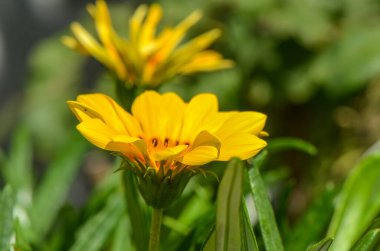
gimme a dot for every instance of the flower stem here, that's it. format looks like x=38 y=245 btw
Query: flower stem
x=154 y=240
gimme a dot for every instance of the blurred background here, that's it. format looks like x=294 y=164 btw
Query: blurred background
x=312 y=66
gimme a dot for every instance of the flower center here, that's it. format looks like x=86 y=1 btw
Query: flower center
x=158 y=144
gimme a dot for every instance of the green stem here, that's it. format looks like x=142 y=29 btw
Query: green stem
x=154 y=240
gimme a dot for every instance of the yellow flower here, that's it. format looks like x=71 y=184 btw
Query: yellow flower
x=146 y=58
x=166 y=137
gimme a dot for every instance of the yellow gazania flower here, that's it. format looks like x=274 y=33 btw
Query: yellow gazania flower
x=146 y=58
x=166 y=136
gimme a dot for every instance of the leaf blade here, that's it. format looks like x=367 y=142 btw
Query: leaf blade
x=267 y=221
x=228 y=235
x=6 y=218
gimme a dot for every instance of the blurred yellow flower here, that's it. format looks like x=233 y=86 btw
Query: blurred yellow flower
x=146 y=58
x=164 y=131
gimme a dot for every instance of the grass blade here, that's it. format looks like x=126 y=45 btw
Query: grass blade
x=228 y=235
x=284 y=144
x=210 y=242
x=368 y=241
x=323 y=245
x=267 y=221
x=93 y=234
x=6 y=218
x=19 y=162
x=312 y=225
x=53 y=190
x=121 y=240
x=248 y=237
x=136 y=211
x=358 y=204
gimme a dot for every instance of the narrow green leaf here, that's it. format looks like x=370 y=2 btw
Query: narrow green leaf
x=137 y=212
x=368 y=241
x=358 y=204
x=93 y=234
x=54 y=187
x=122 y=241
x=228 y=235
x=248 y=237
x=267 y=221
x=19 y=162
x=284 y=144
x=210 y=242
x=323 y=245
x=312 y=225
x=190 y=219
x=6 y=218
x=21 y=239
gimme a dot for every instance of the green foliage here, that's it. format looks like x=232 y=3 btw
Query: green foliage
x=323 y=245
x=233 y=230
x=267 y=220
x=368 y=241
x=6 y=215
x=51 y=194
x=311 y=226
x=284 y=144
x=137 y=212
x=227 y=229
x=94 y=233
x=358 y=203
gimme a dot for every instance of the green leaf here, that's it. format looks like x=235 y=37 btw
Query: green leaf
x=312 y=225
x=137 y=212
x=351 y=62
x=122 y=241
x=6 y=218
x=19 y=162
x=368 y=241
x=248 y=236
x=210 y=242
x=228 y=235
x=191 y=216
x=267 y=221
x=285 y=144
x=323 y=245
x=54 y=187
x=93 y=234
x=358 y=204
x=21 y=240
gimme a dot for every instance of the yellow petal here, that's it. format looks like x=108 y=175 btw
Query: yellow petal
x=148 y=109
x=242 y=122
x=149 y=28
x=159 y=115
x=82 y=112
x=72 y=43
x=186 y=52
x=178 y=34
x=169 y=152
x=200 y=156
x=95 y=131
x=204 y=138
x=206 y=61
x=105 y=108
x=216 y=120
x=90 y=44
x=104 y=28
x=136 y=21
x=175 y=108
x=197 y=111
x=243 y=146
x=127 y=145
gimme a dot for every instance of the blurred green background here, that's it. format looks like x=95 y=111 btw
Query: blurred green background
x=312 y=66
